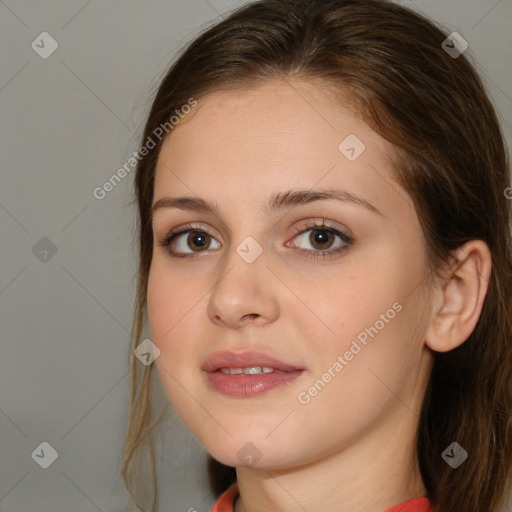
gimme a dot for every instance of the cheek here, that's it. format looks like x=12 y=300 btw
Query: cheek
x=170 y=298
x=170 y=310
x=333 y=310
x=368 y=316
x=355 y=383
x=159 y=304
x=174 y=309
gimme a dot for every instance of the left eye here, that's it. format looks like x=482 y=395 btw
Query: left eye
x=321 y=238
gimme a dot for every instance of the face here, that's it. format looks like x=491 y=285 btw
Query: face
x=335 y=287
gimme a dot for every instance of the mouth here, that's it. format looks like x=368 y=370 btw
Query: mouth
x=248 y=374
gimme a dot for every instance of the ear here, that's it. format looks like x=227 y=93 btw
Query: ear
x=459 y=297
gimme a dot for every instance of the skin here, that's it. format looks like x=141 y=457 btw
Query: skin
x=352 y=447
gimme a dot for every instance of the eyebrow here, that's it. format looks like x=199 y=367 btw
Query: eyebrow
x=277 y=202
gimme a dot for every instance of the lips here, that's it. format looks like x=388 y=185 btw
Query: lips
x=226 y=359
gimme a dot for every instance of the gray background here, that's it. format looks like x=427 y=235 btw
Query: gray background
x=68 y=123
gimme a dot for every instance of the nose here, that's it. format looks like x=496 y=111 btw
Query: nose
x=244 y=293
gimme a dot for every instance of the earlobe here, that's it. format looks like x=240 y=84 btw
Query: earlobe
x=461 y=296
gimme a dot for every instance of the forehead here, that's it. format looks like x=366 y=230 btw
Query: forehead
x=282 y=134
x=270 y=119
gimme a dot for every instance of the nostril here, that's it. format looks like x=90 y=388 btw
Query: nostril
x=249 y=318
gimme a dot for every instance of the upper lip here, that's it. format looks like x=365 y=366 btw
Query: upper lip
x=247 y=359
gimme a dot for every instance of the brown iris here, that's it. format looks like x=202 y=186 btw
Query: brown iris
x=321 y=237
x=199 y=239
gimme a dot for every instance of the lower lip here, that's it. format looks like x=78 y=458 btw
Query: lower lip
x=243 y=385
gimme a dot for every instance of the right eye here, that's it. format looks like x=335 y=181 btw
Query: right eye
x=197 y=241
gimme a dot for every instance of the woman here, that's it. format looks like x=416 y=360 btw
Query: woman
x=325 y=263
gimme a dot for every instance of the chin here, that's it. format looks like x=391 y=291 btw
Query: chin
x=249 y=455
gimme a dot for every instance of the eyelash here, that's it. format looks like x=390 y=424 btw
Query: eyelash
x=312 y=225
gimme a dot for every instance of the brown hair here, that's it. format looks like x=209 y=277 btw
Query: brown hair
x=450 y=157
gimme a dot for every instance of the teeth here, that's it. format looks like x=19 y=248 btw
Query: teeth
x=252 y=370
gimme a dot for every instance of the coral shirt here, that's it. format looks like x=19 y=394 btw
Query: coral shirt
x=227 y=500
